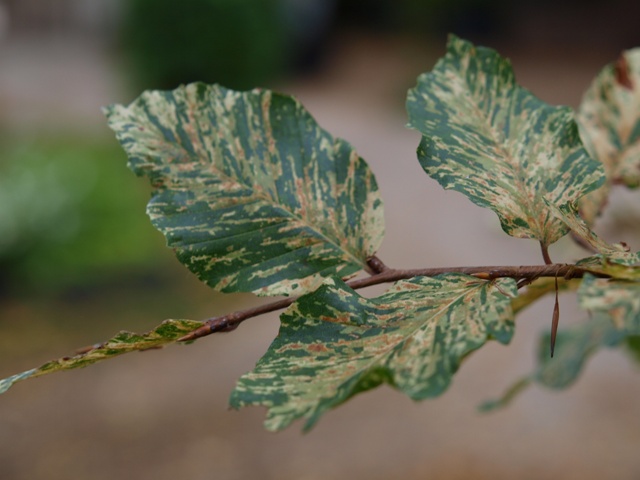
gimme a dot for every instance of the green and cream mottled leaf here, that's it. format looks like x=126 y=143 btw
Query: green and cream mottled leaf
x=251 y=193
x=568 y=214
x=334 y=343
x=622 y=268
x=620 y=299
x=492 y=140
x=609 y=118
x=573 y=347
x=124 y=342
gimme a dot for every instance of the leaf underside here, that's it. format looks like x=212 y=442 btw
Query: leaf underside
x=334 y=343
x=124 y=342
x=250 y=192
x=609 y=118
x=494 y=141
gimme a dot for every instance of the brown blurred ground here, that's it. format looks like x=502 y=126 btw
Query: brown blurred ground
x=163 y=415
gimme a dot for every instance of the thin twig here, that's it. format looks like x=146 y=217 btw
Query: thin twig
x=230 y=321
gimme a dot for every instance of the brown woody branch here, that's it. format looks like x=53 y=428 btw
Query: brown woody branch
x=523 y=274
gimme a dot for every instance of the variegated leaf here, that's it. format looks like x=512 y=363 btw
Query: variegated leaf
x=251 y=193
x=625 y=267
x=334 y=343
x=609 y=118
x=494 y=141
x=124 y=342
x=573 y=347
x=569 y=215
x=620 y=299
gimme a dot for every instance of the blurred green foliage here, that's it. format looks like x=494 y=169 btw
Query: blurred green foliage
x=70 y=213
x=633 y=346
x=237 y=43
x=429 y=18
x=242 y=44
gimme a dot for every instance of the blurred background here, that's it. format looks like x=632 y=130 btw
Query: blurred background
x=79 y=259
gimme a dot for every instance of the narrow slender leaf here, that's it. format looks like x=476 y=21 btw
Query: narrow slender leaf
x=609 y=118
x=568 y=214
x=124 y=342
x=333 y=343
x=251 y=193
x=489 y=138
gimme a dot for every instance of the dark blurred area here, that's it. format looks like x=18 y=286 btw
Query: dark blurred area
x=79 y=259
x=62 y=58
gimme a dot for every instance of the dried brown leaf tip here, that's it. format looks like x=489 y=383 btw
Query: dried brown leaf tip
x=621 y=69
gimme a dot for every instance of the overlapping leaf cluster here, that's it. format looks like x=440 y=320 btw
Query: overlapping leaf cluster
x=254 y=196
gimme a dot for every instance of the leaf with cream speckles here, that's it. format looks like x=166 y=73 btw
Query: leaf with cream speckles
x=334 y=343
x=124 y=342
x=620 y=299
x=489 y=138
x=609 y=118
x=626 y=267
x=251 y=193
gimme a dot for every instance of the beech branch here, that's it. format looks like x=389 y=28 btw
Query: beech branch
x=523 y=274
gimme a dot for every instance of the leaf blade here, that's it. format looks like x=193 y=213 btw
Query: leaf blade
x=620 y=299
x=569 y=215
x=251 y=193
x=622 y=266
x=334 y=344
x=609 y=122
x=493 y=141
